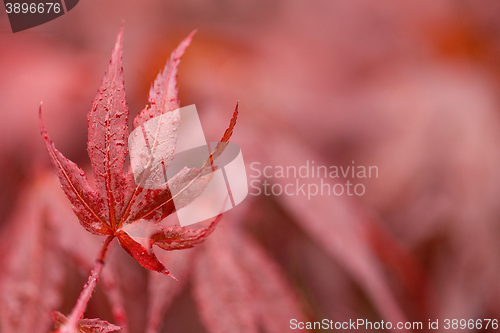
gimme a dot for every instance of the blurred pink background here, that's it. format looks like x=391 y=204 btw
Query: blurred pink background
x=409 y=87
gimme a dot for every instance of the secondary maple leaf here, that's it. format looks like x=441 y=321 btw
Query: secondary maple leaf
x=85 y=325
x=119 y=206
x=226 y=281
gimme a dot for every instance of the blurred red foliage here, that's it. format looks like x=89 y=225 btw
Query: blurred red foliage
x=409 y=87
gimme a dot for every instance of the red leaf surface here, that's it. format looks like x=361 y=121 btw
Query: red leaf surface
x=138 y=239
x=84 y=200
x=163 y=94
x=143 y=253
x=177 y=238
x=119 y=205
x=187 y=185
x=227 y=135
x=108 y=135
x=85 y=325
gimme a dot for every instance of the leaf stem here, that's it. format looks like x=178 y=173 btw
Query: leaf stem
x=88 y=289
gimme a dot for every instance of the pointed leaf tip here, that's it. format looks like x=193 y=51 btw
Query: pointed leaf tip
x=229 y=131
x=140 y=249
x=167 y=273
x=119 y=42
x=74 y=183
x=163 y=93
x=191 y=35
x=40 y=118
x=219 y=149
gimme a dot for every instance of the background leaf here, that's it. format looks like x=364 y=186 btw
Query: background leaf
x=239 y=289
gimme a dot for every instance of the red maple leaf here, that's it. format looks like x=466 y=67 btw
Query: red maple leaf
x=119 y=207
x=118 y=202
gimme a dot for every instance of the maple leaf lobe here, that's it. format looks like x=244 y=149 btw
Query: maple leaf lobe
x=107 y=135
x=119 y=206
x=85 y=202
